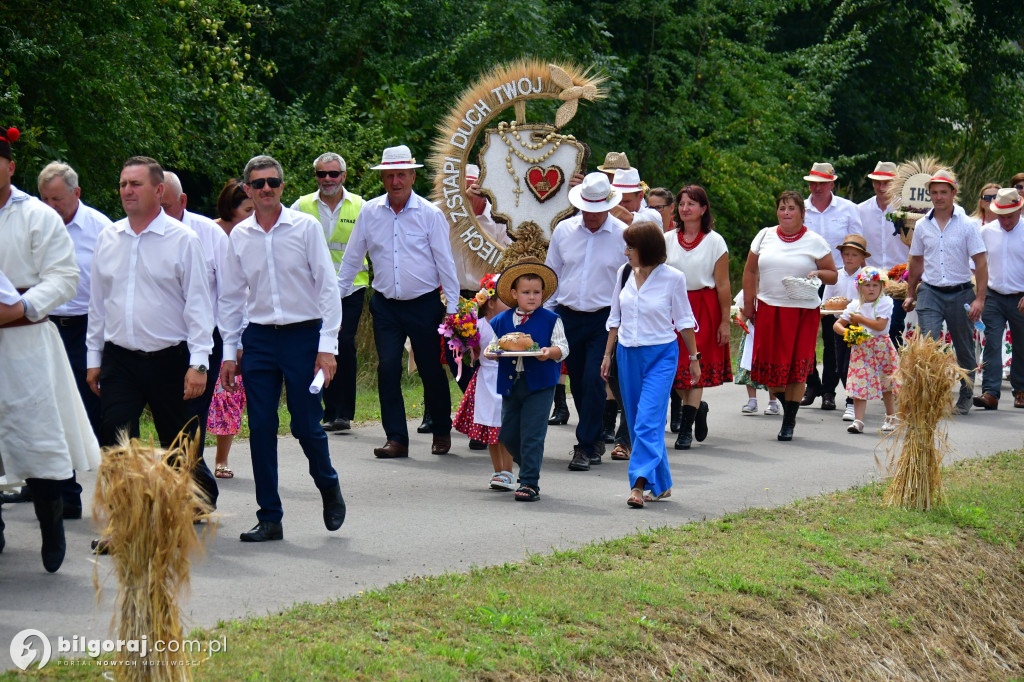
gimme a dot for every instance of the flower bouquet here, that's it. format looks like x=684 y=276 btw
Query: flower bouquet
x=896 y=287
x=462 y=331
x=855 y=335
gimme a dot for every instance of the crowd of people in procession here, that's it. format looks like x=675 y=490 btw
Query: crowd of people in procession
x=171 y=310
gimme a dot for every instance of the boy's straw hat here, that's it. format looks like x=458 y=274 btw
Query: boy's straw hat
x=527 y=266
x=855 y=241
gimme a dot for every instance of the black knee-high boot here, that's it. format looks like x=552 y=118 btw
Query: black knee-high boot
x=789 y=410
x=685 y=438
x=560 y=414
x=50 y=512
x=611 y=411
x=676 y=412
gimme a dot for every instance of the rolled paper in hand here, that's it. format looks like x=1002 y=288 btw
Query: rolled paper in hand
x=318 y=382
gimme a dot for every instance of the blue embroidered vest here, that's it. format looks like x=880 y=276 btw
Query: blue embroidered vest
x=538 y=374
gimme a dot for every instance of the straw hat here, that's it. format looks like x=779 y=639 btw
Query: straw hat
x=822 y=172
x=397 y=158
x=594 y=194
x=1007 y=201
x=527 y=266
x=884 y=170
x=855 y=241
x=627 y=181
x=944 y=175
x=613 y=161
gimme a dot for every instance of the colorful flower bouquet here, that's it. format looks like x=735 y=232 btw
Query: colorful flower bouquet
x=855 y=335
x=896 y=287
x=462 y=329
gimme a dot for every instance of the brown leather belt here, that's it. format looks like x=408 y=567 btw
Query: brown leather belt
x=23 y=321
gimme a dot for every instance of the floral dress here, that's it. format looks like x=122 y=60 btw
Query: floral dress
x=225 y=417
x=872 y=362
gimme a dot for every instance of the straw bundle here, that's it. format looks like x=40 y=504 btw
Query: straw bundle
x=147 y=501
x=529 y=243
x=927 y=374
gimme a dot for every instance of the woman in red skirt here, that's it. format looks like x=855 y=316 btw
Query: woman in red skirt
x=787 y=322
x=700 y=253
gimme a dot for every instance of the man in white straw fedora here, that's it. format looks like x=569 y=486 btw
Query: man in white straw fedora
x=1004 y=304
x=585 y=252
x=887 y=249
x=406 y=238
x=631 y=208
x=831 y=217
x=945 y=241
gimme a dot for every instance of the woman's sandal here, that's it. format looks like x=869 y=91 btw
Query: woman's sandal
x=527 y=494
x=664 y=496
x=620 y=452
x=222 y=471
x=636 y=498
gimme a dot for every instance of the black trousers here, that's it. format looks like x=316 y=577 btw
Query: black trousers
x=130 y=380
x=340 y=395
x=201 y=405
x=72 y=330
x=416 y=319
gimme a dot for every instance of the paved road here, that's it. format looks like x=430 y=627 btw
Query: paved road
x=429 y=514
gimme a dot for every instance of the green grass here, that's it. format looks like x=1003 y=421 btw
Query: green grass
x=835 y=587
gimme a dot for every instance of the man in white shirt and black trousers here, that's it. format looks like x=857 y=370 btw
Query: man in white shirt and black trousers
x=150 y=318
x=586 y=252
x=406 y=238
x=278 y=269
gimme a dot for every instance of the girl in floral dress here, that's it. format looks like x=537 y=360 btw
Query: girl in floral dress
x=479 y=413
x=873 y=360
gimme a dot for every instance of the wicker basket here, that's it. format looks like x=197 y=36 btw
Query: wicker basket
x=907 y=228
x=896 y=290
x=802 y=288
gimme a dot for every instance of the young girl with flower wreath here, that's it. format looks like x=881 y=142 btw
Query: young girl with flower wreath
x=479 y=413
x=873 y=358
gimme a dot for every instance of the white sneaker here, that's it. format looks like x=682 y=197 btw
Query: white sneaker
x=750 y=407
x=773 y=408
x=848 y=415
x=891 y=423
x=856 y=427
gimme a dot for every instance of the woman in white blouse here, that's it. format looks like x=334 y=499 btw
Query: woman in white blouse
x=700 y=253
x=649 y=305
x=787 y=326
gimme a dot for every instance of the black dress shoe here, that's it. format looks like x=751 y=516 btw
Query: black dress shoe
x=334 y=507
x=23 y=495
x=341 y=424
x=828 y=401
x=594 y=459
x=580 y=460
x=810 y=394
x=263 y=531
x=475 y=444
x=51 y=525
x=427 y=425
x=329 y=426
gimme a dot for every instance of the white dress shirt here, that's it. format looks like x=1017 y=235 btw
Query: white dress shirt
x=887 y=249
x=839 y=219
x=84 y=229
x=280 y=276
x=1005 y=257
x=149 y=291
x=215 y=246
x=410 y=251
x=651 y=315
x=585 y=263
x=947 y=251
x=845 y=286
x=698 y=264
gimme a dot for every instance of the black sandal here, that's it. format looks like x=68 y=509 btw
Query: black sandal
x=527 y=493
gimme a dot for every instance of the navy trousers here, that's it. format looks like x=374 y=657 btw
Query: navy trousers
x=587 y=338
x=1000 y=310
x=274 y=355
x=524 y=425
x=416 y=319
x=340 y=396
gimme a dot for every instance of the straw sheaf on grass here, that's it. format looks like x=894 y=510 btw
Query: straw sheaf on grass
x=927 y=374
x=146 y=502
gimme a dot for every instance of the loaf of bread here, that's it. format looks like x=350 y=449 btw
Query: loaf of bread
x=515 y=341
x=836 y=303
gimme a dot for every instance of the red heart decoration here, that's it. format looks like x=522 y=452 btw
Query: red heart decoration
x=544 y=182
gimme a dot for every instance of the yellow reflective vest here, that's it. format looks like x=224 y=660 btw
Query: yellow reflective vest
x=342 y=230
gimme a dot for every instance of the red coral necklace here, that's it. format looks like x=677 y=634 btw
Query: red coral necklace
x=689 y=245
x=790 y=238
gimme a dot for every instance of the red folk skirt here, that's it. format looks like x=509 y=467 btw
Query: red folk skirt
x=784 y=344
x=715 y=365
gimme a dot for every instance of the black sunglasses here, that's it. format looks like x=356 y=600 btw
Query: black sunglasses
x=328 y=174
x=659 y=208
x=1018 y=187
x=259 y=182
x=988 y=197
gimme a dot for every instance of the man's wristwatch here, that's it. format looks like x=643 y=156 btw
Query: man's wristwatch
x=202 y=368
x=695 y=357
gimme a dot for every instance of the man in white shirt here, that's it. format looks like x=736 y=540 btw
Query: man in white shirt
x=58 y=188
x=944 y=243
x=215 y=244
x=585 y=252
x=887 y=249
x=831 y=217
x=336 y=209
x=278 y=269
x=1004 y=303
x=150 y=318
x=406 y=238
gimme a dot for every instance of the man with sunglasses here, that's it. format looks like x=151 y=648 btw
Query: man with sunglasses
x=336 y=209
x=887 y=249
x=278 y=275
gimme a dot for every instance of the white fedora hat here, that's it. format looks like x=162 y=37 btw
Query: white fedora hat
x=472 y=171
x=627 y=181
x=594 y=194
x=884 y=170
x=1007 y=201
x=943 y=175
x=822 y=172
x=397 y=158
